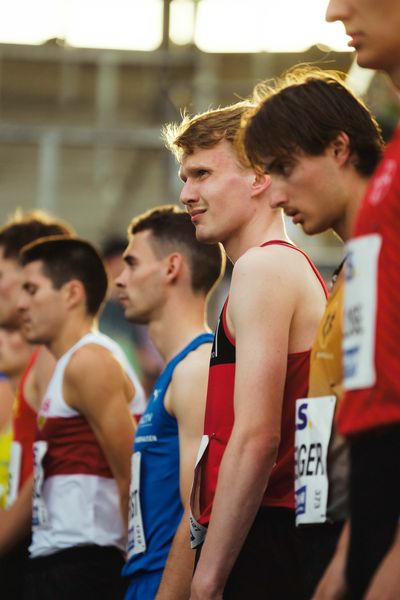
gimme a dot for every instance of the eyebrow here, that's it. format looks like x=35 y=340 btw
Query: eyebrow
x=193 y=170
x=129 y=259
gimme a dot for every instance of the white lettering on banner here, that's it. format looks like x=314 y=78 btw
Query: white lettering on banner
x=40 y=519
x=197 y=530
x=136 y=537
x=360 y=304
x=314 y=418
x=14 y=472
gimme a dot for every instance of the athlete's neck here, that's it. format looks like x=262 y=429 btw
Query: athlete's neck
x=70 y=336
x=255 y=234
x=177 y=326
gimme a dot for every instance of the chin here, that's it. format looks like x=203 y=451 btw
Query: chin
x=205 y=238
x=310 y=229
x=139 y=319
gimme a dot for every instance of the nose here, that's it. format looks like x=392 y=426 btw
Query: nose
x=188 y=195
x=276 y=195
x=22 y=302
x=119 y=281
x=336 y=10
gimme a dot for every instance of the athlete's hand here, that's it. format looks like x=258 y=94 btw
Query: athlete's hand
x=385 y=584
x=333 y=583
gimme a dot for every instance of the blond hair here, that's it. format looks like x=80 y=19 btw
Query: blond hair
x=204 y=130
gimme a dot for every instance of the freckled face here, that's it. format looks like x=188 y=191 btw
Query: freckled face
x=216 y=192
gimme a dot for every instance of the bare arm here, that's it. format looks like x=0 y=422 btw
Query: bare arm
x=6 y=402
x=385 y=584
x=15 y=523
x=96 y=386
x=259 y=314
x=333 y=583
x=186 y=400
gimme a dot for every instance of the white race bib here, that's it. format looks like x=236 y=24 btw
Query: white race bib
x=136 y=537
x=314 y=417
x=197 y=530
x=40 y=517
x=360 y=303
x=14 y=472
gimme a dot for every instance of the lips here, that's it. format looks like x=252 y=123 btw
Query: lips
x=355 y=39
x=122 y=300
x=294 y=215
x=195 y=214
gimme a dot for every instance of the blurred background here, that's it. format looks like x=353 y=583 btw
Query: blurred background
x=85 y=86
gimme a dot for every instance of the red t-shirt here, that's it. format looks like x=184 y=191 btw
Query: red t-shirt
x=379 y=404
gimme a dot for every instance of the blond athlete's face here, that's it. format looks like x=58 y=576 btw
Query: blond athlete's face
x=374 y=29
x=216 y=192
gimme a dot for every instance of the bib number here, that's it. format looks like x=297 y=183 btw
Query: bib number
x=40 y=518
x=136 y=537
x=360 y=303
x=14 y=473
x=314 y=417
x=197 y=530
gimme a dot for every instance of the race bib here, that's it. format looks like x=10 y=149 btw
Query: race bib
x=136 y=537
x=14 y=472
x=360 y=304
x=40 y=517
x=197 y=530
x=314 y=417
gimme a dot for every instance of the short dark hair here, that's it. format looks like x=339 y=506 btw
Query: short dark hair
x=24 y=228
x=304 y=112
x=172 y=229
x=64 y=259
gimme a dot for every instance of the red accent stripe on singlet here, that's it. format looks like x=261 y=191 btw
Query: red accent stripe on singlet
x=73 y=448
x=31 y=362
x=288 y=245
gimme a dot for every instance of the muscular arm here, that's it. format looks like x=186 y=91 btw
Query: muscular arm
x=186 y=401
x=260 y=312
x=96 y=386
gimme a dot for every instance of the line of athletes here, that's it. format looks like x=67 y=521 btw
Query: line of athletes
x=306 y=145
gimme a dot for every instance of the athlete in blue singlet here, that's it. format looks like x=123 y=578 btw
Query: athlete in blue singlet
x=155 y=512
x=165 y=283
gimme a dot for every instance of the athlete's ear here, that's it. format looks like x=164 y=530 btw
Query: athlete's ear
x=340 y=148
x=173 y=266
x=74 y=293
x=260 y=183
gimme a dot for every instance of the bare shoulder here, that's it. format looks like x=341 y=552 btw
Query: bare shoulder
x=195 y=363
x=189 y=380
x=94 y=367
x=280 y=259
x=92 y=356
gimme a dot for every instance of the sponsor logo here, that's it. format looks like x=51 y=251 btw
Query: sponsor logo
x=381 y=183
x=301 y=500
